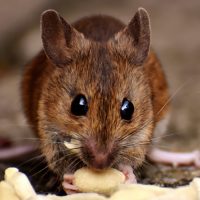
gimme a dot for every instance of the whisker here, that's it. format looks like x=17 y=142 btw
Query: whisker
x=70 y=150
x=70 y=166
x=162 y=136
x=29 y=160
x=47 y=167
x=15 y=125
x=165 y=104
x=37 y=165
x=78 y=161
x=173 y=95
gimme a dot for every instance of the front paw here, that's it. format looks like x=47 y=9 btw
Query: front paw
x=127 y=170
x=68 y=185
x=196 y=158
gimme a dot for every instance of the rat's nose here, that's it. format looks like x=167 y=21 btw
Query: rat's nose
x=100 y=160
x=97 y=156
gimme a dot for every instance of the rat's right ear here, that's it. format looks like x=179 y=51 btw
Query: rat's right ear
x=133 y=41
x=60 y=40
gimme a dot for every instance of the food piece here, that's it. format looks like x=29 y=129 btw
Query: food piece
x=16 y=186
x=140 y=192
x=20 y=183
x=152 y=192
x=10 y=172
x=103 y=182
x=7 y=192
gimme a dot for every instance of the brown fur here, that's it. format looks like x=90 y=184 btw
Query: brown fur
x=100 y=57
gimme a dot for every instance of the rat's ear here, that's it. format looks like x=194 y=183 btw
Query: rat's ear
x=133 y=41
x=60 y=40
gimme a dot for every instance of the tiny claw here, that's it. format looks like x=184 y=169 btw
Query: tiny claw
x=69 y=188
x=68 y=185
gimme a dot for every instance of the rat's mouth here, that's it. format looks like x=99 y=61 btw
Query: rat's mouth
x=127 y=170
x=70 y=188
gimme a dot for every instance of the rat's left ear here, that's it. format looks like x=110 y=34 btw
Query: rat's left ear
x=133 y=41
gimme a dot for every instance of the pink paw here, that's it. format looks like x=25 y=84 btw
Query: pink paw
x=190 y=158
x=127 y=170
x=174 y=158
x=196 y=158
x=67 y=184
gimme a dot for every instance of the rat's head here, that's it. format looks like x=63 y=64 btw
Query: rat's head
x=95 y=108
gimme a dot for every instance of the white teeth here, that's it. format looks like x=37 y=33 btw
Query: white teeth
x=69 y=145
x=73 y=147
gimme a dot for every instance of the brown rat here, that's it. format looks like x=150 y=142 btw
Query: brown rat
x=95 y=86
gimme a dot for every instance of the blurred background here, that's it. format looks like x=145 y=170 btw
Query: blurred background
x=175 y=38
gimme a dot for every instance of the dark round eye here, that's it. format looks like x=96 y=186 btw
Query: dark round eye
x=127 y=109
x=79 y=106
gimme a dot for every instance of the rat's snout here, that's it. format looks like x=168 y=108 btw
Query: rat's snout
x=98 y=156
x=99 y=160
